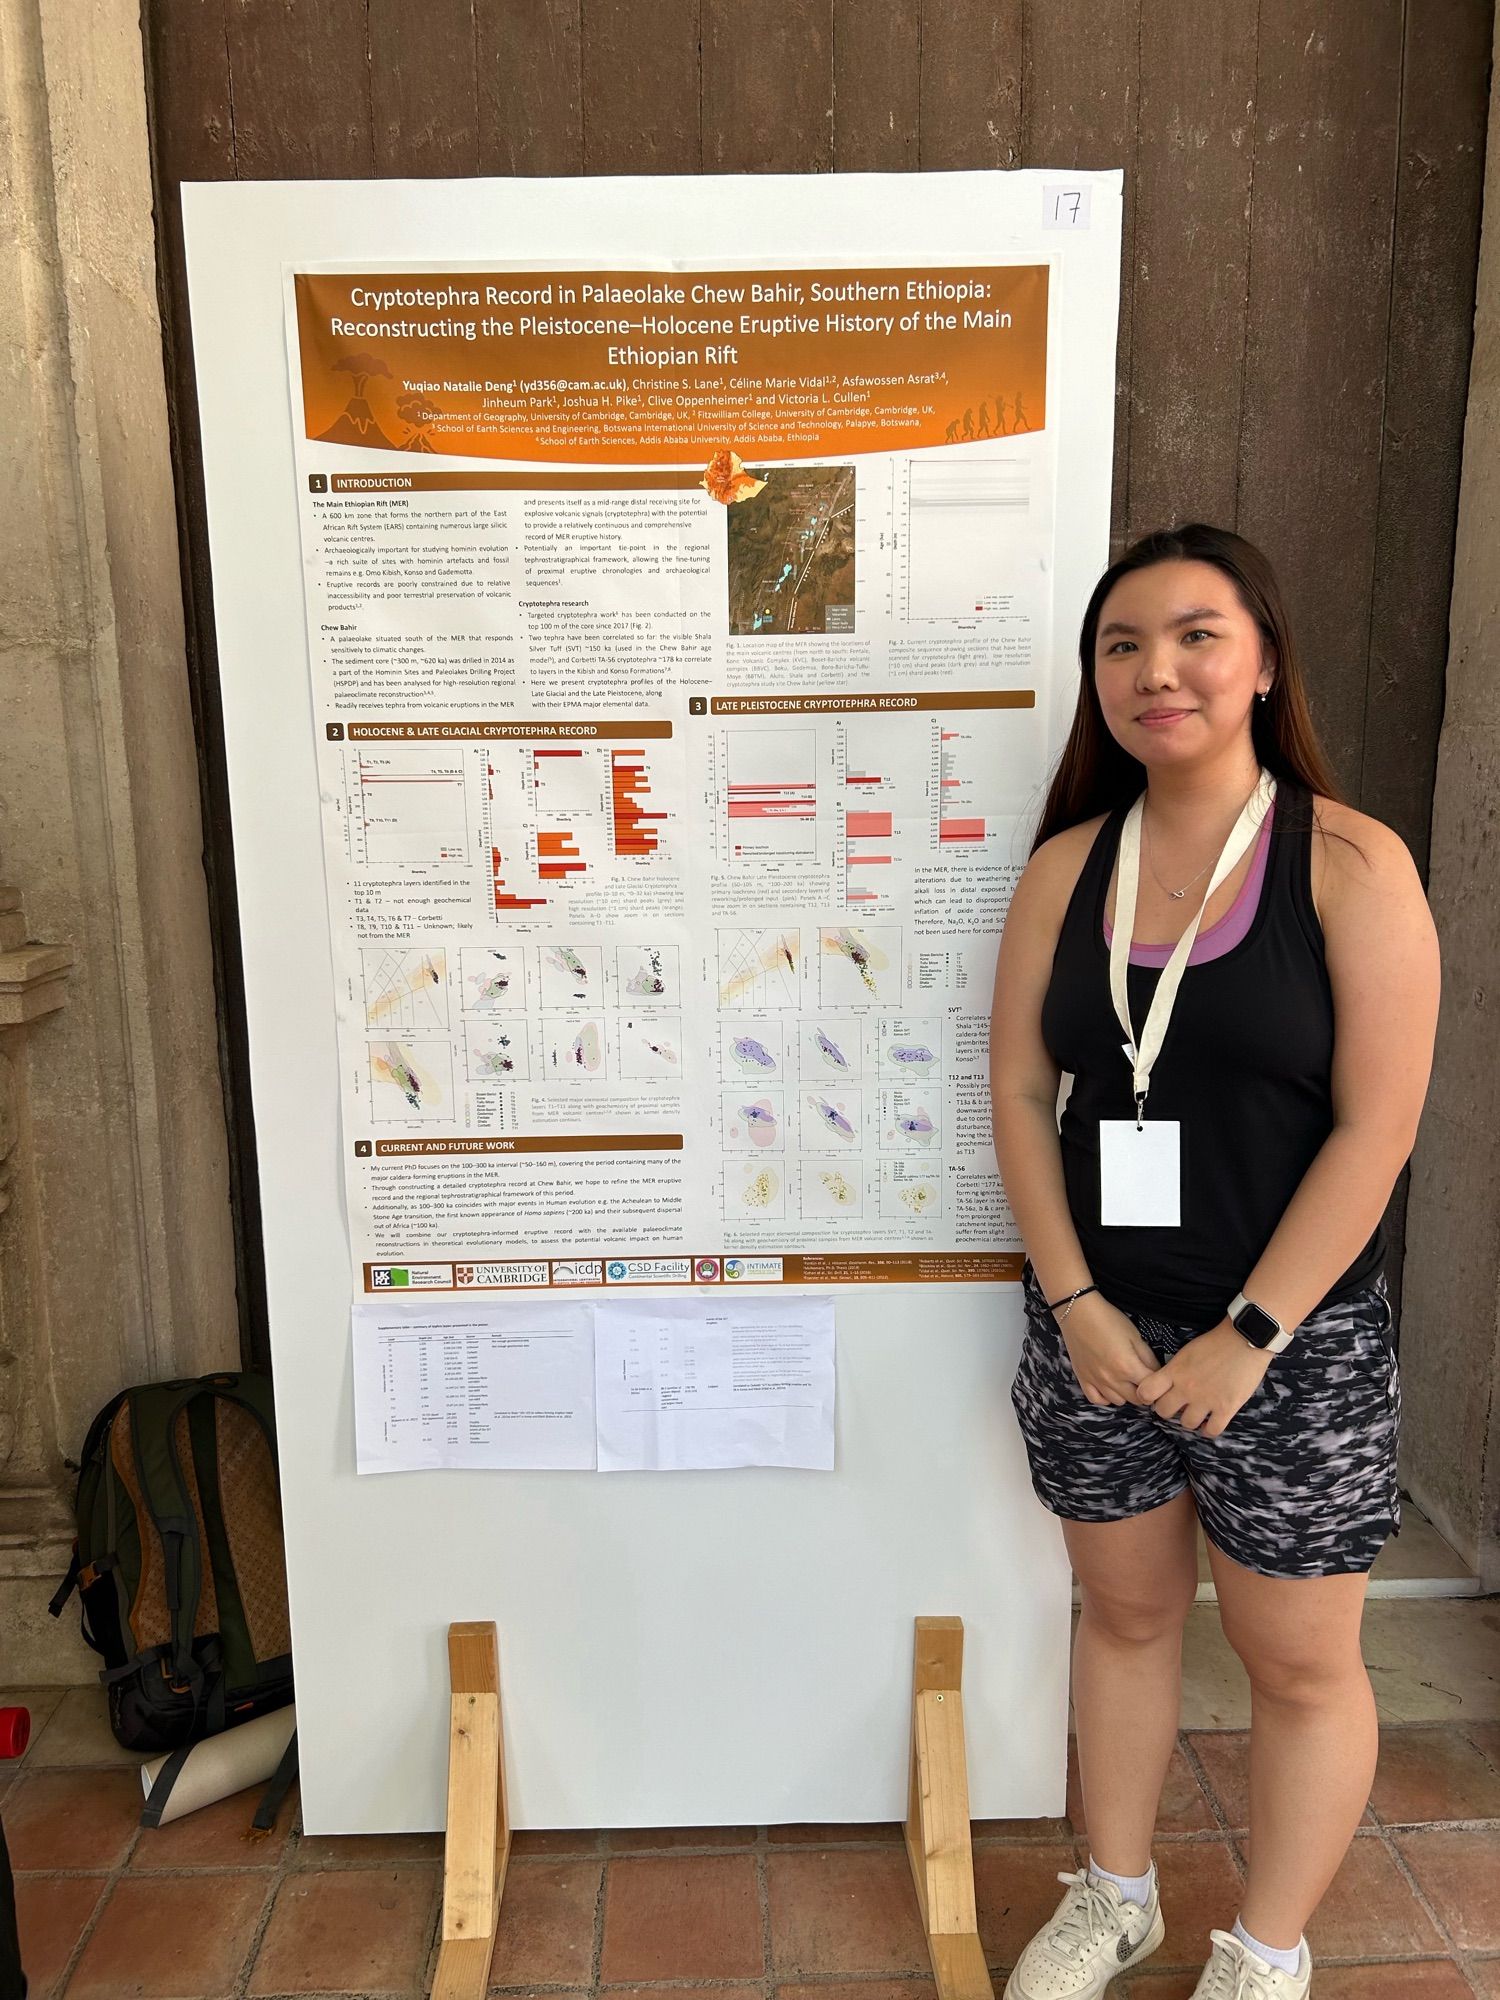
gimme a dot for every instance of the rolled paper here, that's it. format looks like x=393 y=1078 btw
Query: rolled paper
x=220 y=1766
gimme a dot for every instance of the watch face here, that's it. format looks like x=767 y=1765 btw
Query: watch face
x=1256 y=1324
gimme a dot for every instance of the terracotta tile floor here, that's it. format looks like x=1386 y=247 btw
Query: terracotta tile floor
x=195 y=1912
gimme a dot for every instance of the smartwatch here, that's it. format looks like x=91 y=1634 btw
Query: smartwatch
x=1258 y=1326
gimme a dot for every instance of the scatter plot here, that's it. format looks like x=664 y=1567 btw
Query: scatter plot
x=496 y=1052
x=910 y=1121
x=910 y=1050
x=406 y=992
x=910 y=1190
x=830 y=1191
x=830 y=1050
x=572 y=975
x=651 y=1048
x=752 y=1048
x=754 y=1121
x=832 y=1121
x=411 y=1082
x=574 y=1047
x=859 y=964
x=648 y=975
x=759 y=969
x=754 y=1189
x=494 y=979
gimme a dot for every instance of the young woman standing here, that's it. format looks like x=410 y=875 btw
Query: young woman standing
x=1240 y=974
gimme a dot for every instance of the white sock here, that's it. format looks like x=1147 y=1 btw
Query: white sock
x=1284 y=1961
x=1134 y=1888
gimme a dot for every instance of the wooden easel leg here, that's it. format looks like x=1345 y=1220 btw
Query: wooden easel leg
x=937 y=1815
x=478 y=1842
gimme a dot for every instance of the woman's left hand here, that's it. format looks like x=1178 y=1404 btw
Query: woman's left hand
x=1206 y=1383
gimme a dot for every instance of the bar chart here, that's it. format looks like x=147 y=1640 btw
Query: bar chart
x=560 y=817
x=771 y=793
x=410 y=807
x=637 y=829
x=957 y=788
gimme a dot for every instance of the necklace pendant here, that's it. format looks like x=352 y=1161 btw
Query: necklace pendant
x=1178 y=894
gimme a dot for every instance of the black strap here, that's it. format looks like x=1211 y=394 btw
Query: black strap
x=161 y=1789
x=281 y=1783
x=186 y=1557
x=214 y=1720
x=135 y=1665
x=68 y=1585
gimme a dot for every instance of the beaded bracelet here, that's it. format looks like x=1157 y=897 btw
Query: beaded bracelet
x=1072 y=1299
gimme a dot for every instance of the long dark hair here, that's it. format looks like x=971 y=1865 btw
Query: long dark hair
x=1096 y=775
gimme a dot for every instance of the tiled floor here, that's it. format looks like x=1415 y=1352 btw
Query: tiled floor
x=196 y=1912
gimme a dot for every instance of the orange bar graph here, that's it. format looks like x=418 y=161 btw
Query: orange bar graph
x=558 y=857
x=630 y=785
x=504 y=900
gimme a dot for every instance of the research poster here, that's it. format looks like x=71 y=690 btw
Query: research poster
x=681 y=640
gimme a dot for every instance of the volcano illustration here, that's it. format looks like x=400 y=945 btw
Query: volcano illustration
x=357 y=423
x=417 y=413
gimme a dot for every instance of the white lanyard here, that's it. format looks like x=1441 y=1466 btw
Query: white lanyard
x=1142 y=1055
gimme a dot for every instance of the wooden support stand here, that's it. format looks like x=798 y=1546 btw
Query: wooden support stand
x=937 y=1814
x=478 y=1843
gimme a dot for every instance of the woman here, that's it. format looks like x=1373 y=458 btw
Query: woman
x=1208 y=1336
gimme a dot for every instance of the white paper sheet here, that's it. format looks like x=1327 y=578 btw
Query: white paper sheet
x=507 y=1384
x=685 y=1383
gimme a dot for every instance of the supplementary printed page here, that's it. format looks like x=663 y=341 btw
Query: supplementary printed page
x=691 y=1383
x=702 y=1383
x=678 y=641
x=478 y=1383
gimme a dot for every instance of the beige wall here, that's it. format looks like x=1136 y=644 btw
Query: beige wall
x=116 y=1253
x=1451 y=1325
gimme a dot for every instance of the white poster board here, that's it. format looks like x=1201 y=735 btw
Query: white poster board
x=689 y=1647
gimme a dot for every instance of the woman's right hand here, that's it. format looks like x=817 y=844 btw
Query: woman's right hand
x=1108 y=1355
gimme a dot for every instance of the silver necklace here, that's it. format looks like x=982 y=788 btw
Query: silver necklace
x=1176 y=894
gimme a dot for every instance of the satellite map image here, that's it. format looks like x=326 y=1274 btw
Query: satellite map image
x=791 y=553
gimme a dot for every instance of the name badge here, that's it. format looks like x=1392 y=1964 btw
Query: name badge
x=1140 y=1173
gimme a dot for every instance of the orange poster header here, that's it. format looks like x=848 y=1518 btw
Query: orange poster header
x=668 y=368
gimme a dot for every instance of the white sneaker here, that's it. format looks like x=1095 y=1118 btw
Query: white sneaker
x=1234 y=1972
x=1093 y=1935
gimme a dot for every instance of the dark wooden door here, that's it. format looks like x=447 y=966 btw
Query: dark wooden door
x=1302 y=201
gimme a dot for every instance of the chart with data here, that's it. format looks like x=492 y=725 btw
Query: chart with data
x=853 y=808
x=526 y=827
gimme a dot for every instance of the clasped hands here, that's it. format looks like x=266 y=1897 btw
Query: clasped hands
x=1202 y=1388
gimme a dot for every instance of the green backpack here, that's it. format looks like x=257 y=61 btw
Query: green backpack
x=179 y=1560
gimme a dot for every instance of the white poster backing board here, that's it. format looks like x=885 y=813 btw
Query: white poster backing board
x=691 y=1648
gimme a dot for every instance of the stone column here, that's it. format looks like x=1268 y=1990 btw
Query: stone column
x=1451 y=1321
x=116 y=1255
x=34 y=1519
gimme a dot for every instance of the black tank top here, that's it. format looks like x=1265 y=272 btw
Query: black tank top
x=1245 y=1068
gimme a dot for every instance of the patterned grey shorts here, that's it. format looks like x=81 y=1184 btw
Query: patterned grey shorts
x=1301 y=1484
